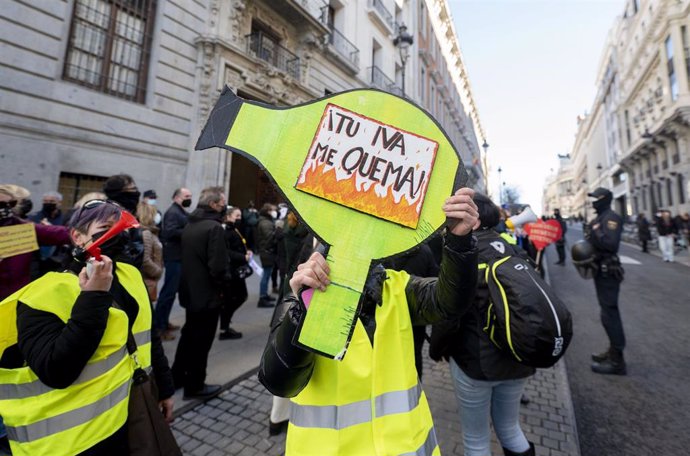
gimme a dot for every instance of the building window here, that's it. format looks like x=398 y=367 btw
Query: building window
x=421 y=86
x=627 y=126
x=681 y=188
x=669 y=192
x=109 y=46
x=74 y=186
x=672 y=79
x=422 y=19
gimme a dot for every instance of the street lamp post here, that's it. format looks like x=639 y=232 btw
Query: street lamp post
x=500 y=187
x=485 y=168
x=403 y=42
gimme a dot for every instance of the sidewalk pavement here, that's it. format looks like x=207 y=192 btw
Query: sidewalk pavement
x=236 y=421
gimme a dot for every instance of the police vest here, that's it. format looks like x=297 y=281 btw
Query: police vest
x=45 y=421
x=371 y=403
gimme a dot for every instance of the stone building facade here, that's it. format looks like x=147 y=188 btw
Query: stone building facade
x=97 y=87
x=636 y=139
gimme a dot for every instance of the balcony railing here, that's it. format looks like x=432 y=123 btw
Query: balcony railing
x=383 y=82
x=270 y=51
x=344 y=47
x=299 y=12
x=385 y=16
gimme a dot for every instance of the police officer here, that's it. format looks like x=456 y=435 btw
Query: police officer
x=560 y=244
x=604 y=233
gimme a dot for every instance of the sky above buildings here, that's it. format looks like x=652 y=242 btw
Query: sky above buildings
x=532 y=66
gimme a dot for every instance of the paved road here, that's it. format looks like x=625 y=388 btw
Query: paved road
x=648 y=411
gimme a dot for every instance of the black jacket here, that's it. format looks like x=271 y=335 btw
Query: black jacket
x=285 y=369
x=174 y=221
x=465 y=340
x=237 y=250
x=204 y=261
x=266 y=240
x=606 y=238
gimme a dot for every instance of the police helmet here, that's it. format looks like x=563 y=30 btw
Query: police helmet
x=584 y=259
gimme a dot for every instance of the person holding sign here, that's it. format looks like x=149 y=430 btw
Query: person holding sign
x=371 y=402
x=18 y=239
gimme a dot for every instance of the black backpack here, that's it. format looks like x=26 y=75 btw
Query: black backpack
x=524 y=316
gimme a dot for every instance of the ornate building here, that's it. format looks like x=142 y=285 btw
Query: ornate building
x=90 y=82
x=636 y=139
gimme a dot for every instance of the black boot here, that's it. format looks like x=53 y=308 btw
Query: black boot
x=265 y=302
x=529 y=452
x=601 y=357
x=613 y=365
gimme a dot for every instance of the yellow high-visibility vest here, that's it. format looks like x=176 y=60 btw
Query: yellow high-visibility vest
x=41 y=420
x=371 y=403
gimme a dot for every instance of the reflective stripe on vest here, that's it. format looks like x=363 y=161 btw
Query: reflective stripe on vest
x=342 y=416
x=142 y=338
x=59 y=423
x=428 y=447
x=370 y=403
x=37 y=387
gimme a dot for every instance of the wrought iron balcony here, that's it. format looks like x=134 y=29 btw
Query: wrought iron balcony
x=379 y=12
x=268 y=50
x=297 y=12
x=380 y=81
x=344 y=47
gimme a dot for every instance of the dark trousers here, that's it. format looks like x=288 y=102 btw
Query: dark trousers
x=607 y=293
x=419 y=336
x=560 y=248
x=173 y=272
x=644 y=245
x=234 y=295
x=191 y=357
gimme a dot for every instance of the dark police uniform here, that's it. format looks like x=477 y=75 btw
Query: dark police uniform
x=605 y=235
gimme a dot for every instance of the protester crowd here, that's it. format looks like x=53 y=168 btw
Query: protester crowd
x=74 y=312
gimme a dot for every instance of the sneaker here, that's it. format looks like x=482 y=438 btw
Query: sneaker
x=264 y=302
x=229 y=334
x=609 y=367
x=205 y=392
x=601 y=357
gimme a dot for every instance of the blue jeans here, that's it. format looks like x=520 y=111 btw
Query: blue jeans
x=173 y=273
x=263 y=285
x=479 y=399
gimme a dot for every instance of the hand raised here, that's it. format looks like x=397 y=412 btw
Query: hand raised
x=100 y=276
x=461 y=212
x=313 y=274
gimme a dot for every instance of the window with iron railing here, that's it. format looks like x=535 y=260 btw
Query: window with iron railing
x=343 y=46
x=266 y=48
x=382 y=11
x=109 y=46
x=383 y=82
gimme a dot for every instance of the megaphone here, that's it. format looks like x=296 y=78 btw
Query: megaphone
x=125 y=222
x=526 y=216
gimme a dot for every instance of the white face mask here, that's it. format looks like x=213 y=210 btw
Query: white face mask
x=157 y=218
x=273 y=214
x=152 y=202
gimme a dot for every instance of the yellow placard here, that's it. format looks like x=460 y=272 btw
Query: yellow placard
x=17 y=239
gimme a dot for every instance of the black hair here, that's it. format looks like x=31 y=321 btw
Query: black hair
x=489 y=214
x=116 y=183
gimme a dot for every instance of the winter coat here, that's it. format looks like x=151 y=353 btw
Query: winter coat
x=204 y=261
x=465 y=340
x=15 y=271
x=666 y=228
x=174 y=221
x=152 y=266
x=286 y=369
x=234 y=288
x=266 y=241
x=643 y=232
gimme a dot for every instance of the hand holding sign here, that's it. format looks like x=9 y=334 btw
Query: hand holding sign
x=367 y=171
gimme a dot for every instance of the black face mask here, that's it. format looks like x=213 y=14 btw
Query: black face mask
x=113 y=246
x=5 y=213
x=128 y=200
x=48 y=208
x=602 y=204
x=24 y=207
x=186 y=203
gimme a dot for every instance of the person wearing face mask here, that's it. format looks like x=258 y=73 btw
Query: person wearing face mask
x=604 y=233
x=69 y=348
x=122 y=189
x=267 y=247
x=174 y=221
x=152 y=267
x=204 y=265
x=24 y=203
x=151 y=198
x=49 y=258
x=15 y=271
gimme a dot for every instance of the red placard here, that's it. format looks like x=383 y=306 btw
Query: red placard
x=543 y=233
